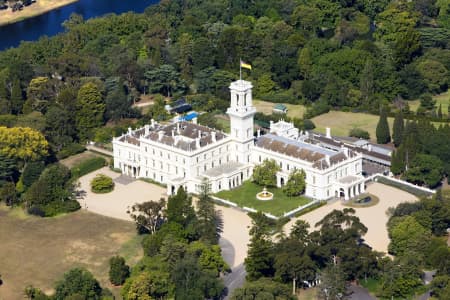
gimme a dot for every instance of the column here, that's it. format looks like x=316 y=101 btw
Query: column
x=345 y=194
x=351 y=192
x=363 y=189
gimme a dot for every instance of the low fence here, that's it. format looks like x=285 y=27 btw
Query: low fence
x=403 y=182
x=269 y=215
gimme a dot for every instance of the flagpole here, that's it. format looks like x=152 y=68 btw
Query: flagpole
x=240 y=69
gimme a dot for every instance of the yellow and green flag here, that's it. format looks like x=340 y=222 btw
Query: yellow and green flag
x=246 y=65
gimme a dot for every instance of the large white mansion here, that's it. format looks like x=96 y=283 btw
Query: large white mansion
x=184 y=153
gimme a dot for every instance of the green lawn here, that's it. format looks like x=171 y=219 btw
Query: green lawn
x=294 y=110
x=443 y=99
x=245 y=195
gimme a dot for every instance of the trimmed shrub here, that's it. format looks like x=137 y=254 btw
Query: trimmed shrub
x=118 y=270
x=102 y=184
x=88 y=166
x=70 y=150
x=359 y=133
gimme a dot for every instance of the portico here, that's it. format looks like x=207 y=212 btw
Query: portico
x=349 y=186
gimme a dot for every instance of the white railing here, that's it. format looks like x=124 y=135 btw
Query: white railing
x=269 y=215
x=402 y=182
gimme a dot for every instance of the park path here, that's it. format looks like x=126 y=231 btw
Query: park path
x=374 y=217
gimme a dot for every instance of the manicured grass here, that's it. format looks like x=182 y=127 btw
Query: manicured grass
x=294 y=110
x=442 y=99
x=342 y=122
x=88 y=166
x=39 y=251
x=224 y=121
x=245 y=195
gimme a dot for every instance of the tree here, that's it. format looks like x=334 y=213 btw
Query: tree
x=265 y=173
x=118 y=103
x=408 y=236
x=8 y=169
x=8 y=194
x=78 y=282
x=209 y=221
x=90 y=110
x=425 y=169
x=102 y=184
x=397 y=131
x=31 y=172
x=260 y=256
x=382 y=130
x=165 y=79
x=149 y=216
x=397 y=162
x=118 y=270
x=295 y=185
x=180 y=210
x=16 y=97
x=191 y=283
x=427 y=102
x=53 y=193
x=263 y=288
x=292 y=260
x=147 y=286
x=22 y=143
x=332 y=283
x=359 y=133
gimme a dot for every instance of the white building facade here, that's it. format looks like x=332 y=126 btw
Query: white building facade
x=184 y=153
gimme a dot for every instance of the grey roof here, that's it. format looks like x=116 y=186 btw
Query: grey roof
x=302 y=150
x=224 y=169
x=181 y=135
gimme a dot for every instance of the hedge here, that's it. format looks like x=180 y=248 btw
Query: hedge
x=88 y=166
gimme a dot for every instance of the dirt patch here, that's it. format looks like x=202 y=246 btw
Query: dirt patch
x=39 y=251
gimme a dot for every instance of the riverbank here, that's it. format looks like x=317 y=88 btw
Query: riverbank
x=40 y=7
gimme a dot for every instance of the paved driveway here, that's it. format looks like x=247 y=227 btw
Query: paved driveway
x=374 y=217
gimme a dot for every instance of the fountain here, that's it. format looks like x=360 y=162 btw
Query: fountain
x=264 y=195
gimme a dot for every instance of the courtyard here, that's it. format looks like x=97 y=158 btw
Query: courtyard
x=245 y=195
x=373 y=217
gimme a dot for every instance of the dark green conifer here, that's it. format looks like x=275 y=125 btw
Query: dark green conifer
x=382 y=131
x=439 y=112
x=397 y=132
x=16 y=97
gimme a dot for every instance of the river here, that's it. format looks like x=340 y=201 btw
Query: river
x=50 y=23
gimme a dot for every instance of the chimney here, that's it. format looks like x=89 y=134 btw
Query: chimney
x=197 y=143
x=146 y=129
x=153 y=123
x=213 y=136
x=173 y=133
x=258 y=133
x=194 y=120
x=370 y=147
x=345 y=149
x=160 y=135
x=327 y=159
x=129 y=130
x=328 y=131
x=199 y=134
x=178 y=128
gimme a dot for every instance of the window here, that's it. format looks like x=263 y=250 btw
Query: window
x=160 y=153
x=145 y=149
x=259 y=159
x=314 y=179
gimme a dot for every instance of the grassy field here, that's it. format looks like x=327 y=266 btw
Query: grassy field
x=294 y=110
x=80 y=158
x=342 y=122
x=245 y=195
x=39 y=251
x=442 y=99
